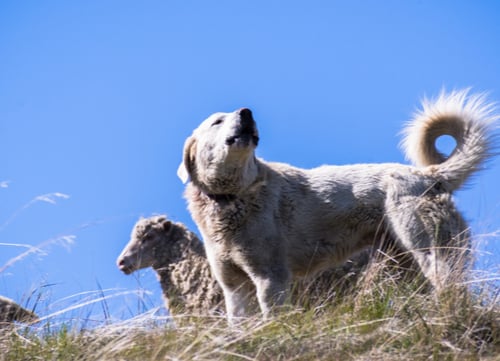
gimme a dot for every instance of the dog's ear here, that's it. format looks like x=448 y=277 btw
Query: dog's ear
x=187 y=165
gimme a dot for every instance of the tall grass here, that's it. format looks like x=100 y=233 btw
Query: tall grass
x=381 y=318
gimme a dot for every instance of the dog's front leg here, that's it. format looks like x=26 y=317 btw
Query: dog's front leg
x=237 y=302
x=271 y=287
x=238 y=289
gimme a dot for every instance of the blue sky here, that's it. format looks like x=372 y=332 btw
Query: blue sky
x=97 y=98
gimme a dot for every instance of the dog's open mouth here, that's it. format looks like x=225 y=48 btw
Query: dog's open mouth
x=243 y=139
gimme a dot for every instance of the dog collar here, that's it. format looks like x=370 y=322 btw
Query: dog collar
x=221 y=197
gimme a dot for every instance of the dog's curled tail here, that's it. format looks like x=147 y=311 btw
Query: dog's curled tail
x=469 y=119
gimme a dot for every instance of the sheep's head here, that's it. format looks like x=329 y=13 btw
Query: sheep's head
x=146 y=245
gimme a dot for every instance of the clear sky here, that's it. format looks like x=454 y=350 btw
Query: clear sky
x=97 y=98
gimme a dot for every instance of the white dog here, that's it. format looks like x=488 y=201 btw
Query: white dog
x=269 y=222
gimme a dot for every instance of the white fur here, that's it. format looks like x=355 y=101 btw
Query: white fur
x=271 y=222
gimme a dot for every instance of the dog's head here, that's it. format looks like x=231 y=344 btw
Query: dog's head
x=218 y=156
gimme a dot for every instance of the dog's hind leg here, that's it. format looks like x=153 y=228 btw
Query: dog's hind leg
x=418 y=232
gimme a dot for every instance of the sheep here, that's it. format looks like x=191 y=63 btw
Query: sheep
x=178 y=257
x=11 y=312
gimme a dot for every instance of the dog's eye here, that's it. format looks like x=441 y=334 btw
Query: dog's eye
x=217 y=122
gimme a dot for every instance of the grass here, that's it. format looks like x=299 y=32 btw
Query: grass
x=380 y=319
x=377 y=318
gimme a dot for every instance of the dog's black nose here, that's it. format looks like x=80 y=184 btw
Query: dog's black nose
x=245 y=129
x=245 y=116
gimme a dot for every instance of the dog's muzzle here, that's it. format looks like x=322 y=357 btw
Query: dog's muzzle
x=246 y=130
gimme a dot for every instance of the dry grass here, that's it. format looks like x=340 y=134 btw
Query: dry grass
x=381 y=319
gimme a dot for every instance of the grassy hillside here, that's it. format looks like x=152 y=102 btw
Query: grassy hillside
x=380 y=319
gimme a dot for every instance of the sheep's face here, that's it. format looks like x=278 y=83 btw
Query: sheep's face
x=146 y=242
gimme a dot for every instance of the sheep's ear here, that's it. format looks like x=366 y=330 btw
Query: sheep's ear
x=167 y=225
x=188 y=159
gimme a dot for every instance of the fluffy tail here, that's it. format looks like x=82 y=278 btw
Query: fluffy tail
x=469 y=119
